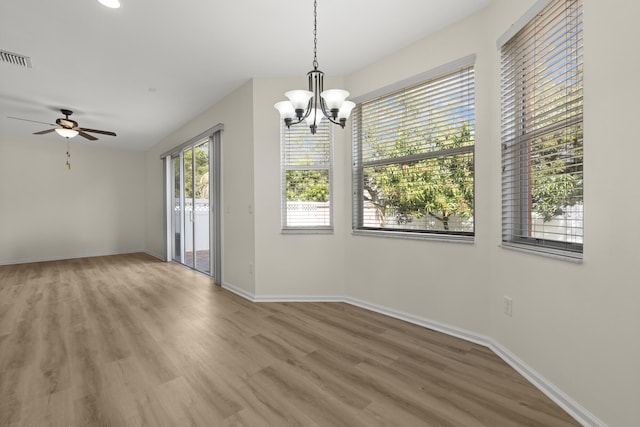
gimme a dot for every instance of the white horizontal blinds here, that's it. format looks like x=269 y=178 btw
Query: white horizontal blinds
x=306 y=176
x=413 y=157
x=542 y=132
x=420 y=117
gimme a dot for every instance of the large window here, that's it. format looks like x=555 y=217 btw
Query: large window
x=306 y=178
x=413 y=159
x=542 y=133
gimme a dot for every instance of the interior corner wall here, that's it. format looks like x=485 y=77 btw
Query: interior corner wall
x=293 y=265
x=235 y=112
x=444 y=282
x=48 y=212
x=575 y=325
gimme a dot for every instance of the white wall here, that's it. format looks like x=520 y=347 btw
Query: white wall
x=293 y=265
x=235 y=112
x=579 y=324
x=444 y=282
x=48 y=212
x=576 y=325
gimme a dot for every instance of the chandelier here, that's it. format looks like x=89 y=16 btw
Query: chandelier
x=316 y=103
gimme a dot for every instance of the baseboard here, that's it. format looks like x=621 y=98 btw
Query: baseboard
x=560 y=398
x=298 y=298
x=420 y=321
x=573 y=408
x=240 y=292
x=62 y=258
x=280 y=298
x=156 y=255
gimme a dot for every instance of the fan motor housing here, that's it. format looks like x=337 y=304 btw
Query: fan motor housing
x=67 y=123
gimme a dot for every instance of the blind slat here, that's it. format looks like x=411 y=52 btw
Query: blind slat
x=542 y=137
x=413 y=153
x=306 y=162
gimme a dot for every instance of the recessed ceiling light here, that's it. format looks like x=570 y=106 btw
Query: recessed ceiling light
x=113 y=4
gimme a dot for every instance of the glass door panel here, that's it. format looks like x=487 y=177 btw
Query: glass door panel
x=190 y=211
x=176 y=210
x=187 y=203
x=201 y=207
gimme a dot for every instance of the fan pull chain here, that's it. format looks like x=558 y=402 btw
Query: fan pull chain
x=68 y=157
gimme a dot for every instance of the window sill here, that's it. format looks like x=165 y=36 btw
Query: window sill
x=307 y=230
x=559 y=255
x=449 y=238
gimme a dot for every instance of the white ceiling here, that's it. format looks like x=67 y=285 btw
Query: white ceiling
x=151 y=66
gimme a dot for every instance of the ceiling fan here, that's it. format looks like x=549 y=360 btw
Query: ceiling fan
x=68 y=128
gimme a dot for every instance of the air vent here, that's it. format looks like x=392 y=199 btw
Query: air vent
x=15 y=59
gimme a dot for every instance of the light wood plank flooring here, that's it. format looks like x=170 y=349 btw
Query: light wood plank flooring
x=132 y=341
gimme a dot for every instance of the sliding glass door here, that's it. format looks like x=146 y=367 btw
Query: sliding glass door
x=192 y=182
x=190 y=218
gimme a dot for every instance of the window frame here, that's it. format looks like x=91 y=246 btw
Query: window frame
x=358 y=166
x=517 y=139
x=285 y=134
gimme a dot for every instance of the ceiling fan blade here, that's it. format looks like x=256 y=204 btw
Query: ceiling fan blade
x=103 y=132
x=86 y=135
x=42 y=132
x=34 y=121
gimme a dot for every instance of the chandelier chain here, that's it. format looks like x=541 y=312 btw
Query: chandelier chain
x=331 y=104
x=315 y=34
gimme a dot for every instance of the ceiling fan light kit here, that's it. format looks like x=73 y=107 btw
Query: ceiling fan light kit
x=312 y=105
x=68 y=128
x=66 y=133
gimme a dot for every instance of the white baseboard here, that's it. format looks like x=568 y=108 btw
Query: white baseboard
x=61 y=258
x=573 y=408
x=240 y=292
x=420 y=321
x=280 y=298
x=156 y=255
x=293 y=298
x=560 y=398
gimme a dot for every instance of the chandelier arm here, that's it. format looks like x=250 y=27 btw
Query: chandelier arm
x=316 y=87
x=307 y=113
x=327 y=113
x=341 y=123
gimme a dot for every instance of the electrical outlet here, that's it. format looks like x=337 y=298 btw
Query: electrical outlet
x=508 y=306
x=250 y=268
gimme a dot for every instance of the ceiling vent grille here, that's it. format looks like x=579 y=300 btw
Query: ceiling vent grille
x=15 y=59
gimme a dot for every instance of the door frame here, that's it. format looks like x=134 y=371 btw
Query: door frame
x=214 y=136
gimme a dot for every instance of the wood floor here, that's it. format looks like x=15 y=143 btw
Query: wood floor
x=132 y=341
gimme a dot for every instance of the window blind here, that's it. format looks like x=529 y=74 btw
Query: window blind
x=542 y=132
x=306 y=162
x=413 y=158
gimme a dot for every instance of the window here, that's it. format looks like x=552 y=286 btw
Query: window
x=542 y=133
x=306 y=178
x=413 y=159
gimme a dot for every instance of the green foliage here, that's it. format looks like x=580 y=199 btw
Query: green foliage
x=439 y=187
x=556 y=173
x=202 y=173
x=308 y=185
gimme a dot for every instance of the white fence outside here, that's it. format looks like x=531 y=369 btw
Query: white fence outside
x=308 y=214
x=201 y=218
x=565 y=228
x=372 y=218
